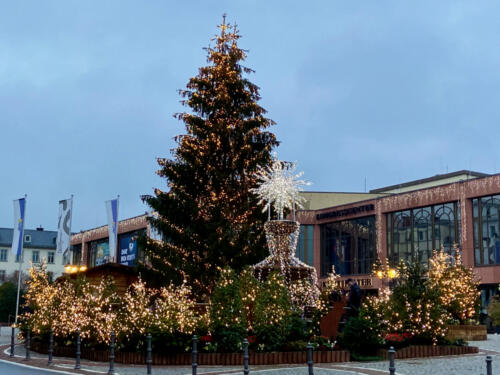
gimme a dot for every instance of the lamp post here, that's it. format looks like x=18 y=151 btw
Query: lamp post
x=386 y=274
x=73 y=268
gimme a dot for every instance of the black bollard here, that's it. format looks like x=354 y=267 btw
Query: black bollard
x=78 y=353
x=392 y=369
x=28 y=344
x=12 y=339
x=51 y=347
x=310 y=358
x=489 y=369
x=195 y=355
x=112 y=354
x=148 y=358
x=245 y=357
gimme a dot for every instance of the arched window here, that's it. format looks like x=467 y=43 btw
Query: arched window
x=490 y=207
x=444 y=227
x=401 y=236
x=422 y=233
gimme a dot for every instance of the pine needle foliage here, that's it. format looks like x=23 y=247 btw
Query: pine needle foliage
x=208 y=216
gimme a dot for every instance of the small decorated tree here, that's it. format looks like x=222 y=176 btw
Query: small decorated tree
x=227 y=318
x=273 y=310
x=458 y=285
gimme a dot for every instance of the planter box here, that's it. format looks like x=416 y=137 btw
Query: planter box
x=467 y=333
x=186 y=359
x=419 y=351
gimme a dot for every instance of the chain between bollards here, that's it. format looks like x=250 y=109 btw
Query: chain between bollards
x=392 y=369
x=148 y=358
x=78 y=353
x=12 y=339
x=28 y=344
x=245 y=357
x=51 y=347
x=195 y=355
x=310 y=363
x=112 y=354
x=489 y=369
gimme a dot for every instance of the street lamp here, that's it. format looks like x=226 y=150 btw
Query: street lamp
x=386 y=273
x=72 y=268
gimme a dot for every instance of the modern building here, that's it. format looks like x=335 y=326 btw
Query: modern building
x=91 y=247
x=38 y=245
x=406 y=220
x=350 y=231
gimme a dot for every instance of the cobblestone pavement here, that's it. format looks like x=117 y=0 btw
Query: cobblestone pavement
x=471 y=364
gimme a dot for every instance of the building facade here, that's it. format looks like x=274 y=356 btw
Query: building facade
x=91 y=247
x=38 y=245
x=405 y=221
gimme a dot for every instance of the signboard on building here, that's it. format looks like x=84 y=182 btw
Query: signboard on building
x=102 y=253
x=128 y=249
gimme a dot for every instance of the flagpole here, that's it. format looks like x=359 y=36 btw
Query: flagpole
x=70 y=252
x=20 y=264
x=117 y=225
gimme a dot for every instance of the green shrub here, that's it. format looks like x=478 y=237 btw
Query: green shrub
x=360 y=336
x=494 y=310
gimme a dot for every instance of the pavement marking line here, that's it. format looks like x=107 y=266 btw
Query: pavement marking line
x=369 y=368
x=218 y=372
x=281 y=368
x=352 y=372
x=36 y=368
x=84 y=369
x=7 y=352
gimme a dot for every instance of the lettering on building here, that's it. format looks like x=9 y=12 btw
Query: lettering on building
x=346 y=212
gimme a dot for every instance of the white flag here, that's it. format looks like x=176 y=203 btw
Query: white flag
x=64 y=226
x=17 y=235
x=112 y=210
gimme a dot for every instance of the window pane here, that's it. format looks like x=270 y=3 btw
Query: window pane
x=422 y=233
x=444 y=226
x=348 y=245
x=305 y=245
x=490 y=229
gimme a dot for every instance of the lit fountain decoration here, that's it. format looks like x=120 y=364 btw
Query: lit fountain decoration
x=279 y=189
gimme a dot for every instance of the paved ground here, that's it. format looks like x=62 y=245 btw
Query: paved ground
x=473 y=364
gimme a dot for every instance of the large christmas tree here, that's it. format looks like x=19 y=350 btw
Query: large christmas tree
x=208 y=217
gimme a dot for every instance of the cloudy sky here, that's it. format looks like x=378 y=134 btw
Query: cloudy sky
x=389 y=91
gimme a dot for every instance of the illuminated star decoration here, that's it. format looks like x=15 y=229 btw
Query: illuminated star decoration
x=280 y=186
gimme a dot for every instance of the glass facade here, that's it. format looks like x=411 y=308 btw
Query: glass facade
x=486 y=216
x=305 y=245
x=418 y=231
x=349 y=246
x=76 y=251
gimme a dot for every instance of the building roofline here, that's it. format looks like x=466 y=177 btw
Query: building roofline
x=341 y=192
x=430 y=179
x=105 y=225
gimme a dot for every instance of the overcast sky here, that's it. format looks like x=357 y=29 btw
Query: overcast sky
x=389 y=91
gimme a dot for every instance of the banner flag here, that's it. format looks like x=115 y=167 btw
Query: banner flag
x=17 y=235
x=112 y=211
x=64 y=226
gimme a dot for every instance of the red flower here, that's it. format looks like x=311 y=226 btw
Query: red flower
x=206 y=338
x=251 y=339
